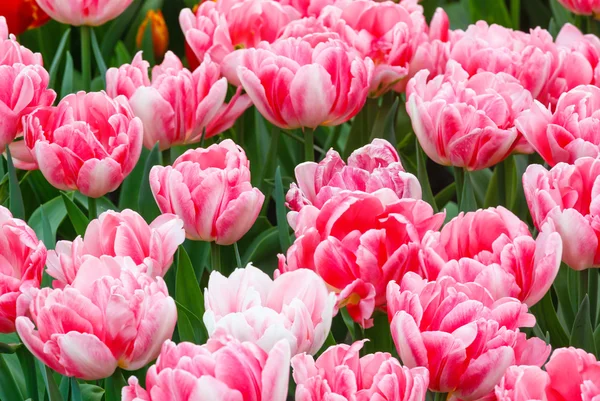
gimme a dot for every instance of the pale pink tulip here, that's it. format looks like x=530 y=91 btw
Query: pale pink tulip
x=178 y=105
x=294 y=84
x=567 y=199
x=3 y=28
x=11 y=52
x=250 y=306
x=218 y=28
x=493 y=248
x=83 y=12
x=231 y=371
x=568 y=131
x=358 y=242
x=22 y=259
x=466 y=121
x=458 y=332
x=372 y=167
x=89 y=142
x=22 y=89
x=570 y=37
x=584 y=7
x=340 y=374
x=110 y=317
x=119 y=234
x=210 y=190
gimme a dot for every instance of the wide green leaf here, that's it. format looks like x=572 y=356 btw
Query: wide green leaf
x=423 y=177
x=547 y=319
x=75 y=390
x=52 y=390
x=27 y=361
x=46 y=219
x=77 y=217
x=187 y=291
x=492 y=11
x=89 y=392
x=582 y=334
x=113 y=386
x=9 y=390
x=68 y=79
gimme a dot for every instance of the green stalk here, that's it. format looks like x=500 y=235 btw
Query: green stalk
x=86 y=57
x=459 y=178
x=593 y=294
x=215 y=256
x=515 y=13
x=92 y=208
x=309 y=143
x=238 y=259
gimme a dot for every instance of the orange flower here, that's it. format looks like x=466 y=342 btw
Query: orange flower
x=22 y=15
x=160 y=33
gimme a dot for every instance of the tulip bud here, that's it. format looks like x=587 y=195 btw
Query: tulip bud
x=160 y=33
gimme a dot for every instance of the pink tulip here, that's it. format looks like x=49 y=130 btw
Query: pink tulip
x=110 y=317
x=218 y=28
x=466 y=121
x=583 y=379
x=83 y=12
x=458 y=332
x=387 y=32
x=230 y=371
x=542 y=67
x=178 y=105
x=22 y=259
x=569 y=131
x=3 y=28
x=566 y=198
x=493 y=248
x=372 y=167
x=89 y=142
x=119 y=234
x=304 y=85
x=584 y=7
x=571 y=374
x=210 y=190
x=571 y=38
x=250 y=306
x=340 y=374
x=523 y=383
x=11 y=52
x=308 y=8
x=23 y=89
x=358 y=242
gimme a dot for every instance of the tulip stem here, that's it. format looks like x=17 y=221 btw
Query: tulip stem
x=593 y=294
x=86 y=57
x=92 y=208
x=309 y=144
x=459 y=177
x=166 y=157
x=215 y=256
x=440 y=396
x=238 y=259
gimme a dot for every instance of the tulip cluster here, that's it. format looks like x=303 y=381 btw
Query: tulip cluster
x=378 y=293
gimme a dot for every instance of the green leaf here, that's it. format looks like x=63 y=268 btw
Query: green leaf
x=493 y=11
x=130 y=189
x=566 y=309
x=360 y=128
x=282 y=224
x=89 y=392
x=75 y=390
x=58 y=57
x=561 y=15
x=78 y=219
x=9 y=390
x=446 y=194
x=547 y=319
x=424 y=178
x=188 y=293
x=582 y=334
x=184 y=326
x=48 y=216
x=379 y=334
x=122 y=54
x=493 y=191
x=67 y=82
x=65 y=388
x=468 y=202
x=349 y=323
x=146 y=204
x=117 y=29
x=98 y=56
x=27 y=362
x=385 y=122
x=113 y=386
x=264 y=243
x=16 y=206
x=52 y=390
